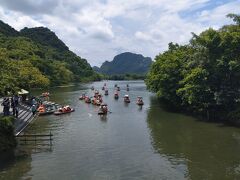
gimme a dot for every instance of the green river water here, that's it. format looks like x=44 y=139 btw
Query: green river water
x=130 y=143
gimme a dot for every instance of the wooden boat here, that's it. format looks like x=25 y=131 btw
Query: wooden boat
x=96 y=102
x=47 y=108
x=99 y=98
x=106 y=92
x=140 y=101
x=116 y=96
x=126 y=99
x=46 y=113
x=82 y=97
x=96 y=93
x=64 y=110
x=103 y=109
x=87 y=99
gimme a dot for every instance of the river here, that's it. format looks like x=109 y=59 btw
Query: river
x=130 y=143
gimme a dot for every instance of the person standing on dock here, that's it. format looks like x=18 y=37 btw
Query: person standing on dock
x=34 y=109
x=13 y=106
x=6 y=106
x=16 y=102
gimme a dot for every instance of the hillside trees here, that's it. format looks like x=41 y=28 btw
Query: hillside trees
x=203 y=76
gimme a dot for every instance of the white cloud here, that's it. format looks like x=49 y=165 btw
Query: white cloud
x=99 y=29
x=17 y=19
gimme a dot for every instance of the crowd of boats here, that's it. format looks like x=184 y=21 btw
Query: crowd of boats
x=46 y=107
x=97 y=98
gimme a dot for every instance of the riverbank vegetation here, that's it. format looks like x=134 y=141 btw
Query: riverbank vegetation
x=120 y=77
x=203 y=76
x=7 y=138
x=35 y=58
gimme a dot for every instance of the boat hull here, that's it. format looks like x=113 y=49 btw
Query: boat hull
x=61 y=113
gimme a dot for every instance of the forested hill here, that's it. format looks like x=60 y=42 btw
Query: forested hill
x=36 y=57
x=44 y=36
x=126 y=63
x=7 y=30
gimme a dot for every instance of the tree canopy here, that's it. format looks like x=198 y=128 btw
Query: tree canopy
x=202 y=76
x=35 y=57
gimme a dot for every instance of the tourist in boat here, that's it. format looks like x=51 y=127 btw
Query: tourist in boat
x=106 y=92
x=126 y=99
x=116 y=96
x=87 y=99
x=103 y=109
x=82 y=97
x=118 y=88
x=115 y=85
x=41 y=109
x=140 y=101
x=45 y=94
x=103 y=88
x=100 y=98
x=64 y=110
x=96 y=93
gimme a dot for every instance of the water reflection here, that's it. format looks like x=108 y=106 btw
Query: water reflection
x=103 y=118
x=10 y=162
x=208 y=150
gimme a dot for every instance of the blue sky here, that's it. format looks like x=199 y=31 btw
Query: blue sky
x=100 y=29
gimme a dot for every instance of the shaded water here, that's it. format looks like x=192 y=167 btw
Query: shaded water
x=130 y=143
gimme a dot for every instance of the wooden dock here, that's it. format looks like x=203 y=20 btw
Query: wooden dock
x=25 y=117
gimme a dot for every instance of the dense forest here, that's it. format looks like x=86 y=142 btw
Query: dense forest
x=35 y=58
x=203 y=76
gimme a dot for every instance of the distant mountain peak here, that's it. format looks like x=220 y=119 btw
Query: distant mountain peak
x=126 y=62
